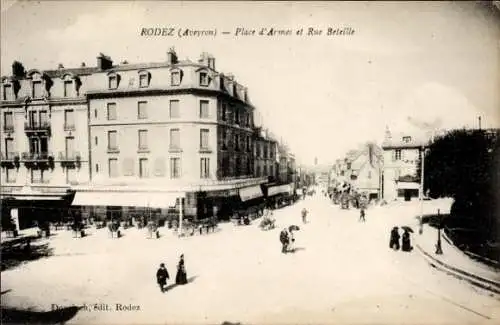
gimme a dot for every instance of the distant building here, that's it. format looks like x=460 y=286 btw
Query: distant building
x=402 y=154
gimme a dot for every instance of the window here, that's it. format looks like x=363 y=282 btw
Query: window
x=175 y=167
x=174 y=109
x=204 y=134
x=44 y=118
x=142 y=110
x=143 y=80
x=67 y=88
x=236 y=142
x=248 y=144
x=70 y=147
x=175 y=140
x=37 y=89
x=237 y=166
x=175 y=78
x=9 y=148
x=7 y=92
x=407 y=139
x=36 y=176
x=113 y=167
x=143 y=168
x=112 y=140
x=204 y=109
x=397 y=154
x=224 y=112
x=97 y=168
x=10 y=175
x=143 y=139
x=111 y=111
x=96 y=141
x=203 y=79
x=249 y=167
x=236 y=115
x=69 y=119
x=205 y=168
x=224 y=139
x=113 y=82
x=247 y=120
x=95 y=113
x=8 y=121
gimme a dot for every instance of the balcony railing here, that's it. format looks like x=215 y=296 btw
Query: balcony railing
x=37 y=127
x=69 y=156
x=36 y=156
x=9 y=156
x=69 y=127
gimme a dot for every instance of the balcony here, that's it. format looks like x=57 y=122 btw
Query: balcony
x=174 y=149
x=205 y=150
x=10 y=159
x=70 y=159
x=69 y=127
x=37 y=128
x=37 y=160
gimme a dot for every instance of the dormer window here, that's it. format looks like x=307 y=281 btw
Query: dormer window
x=175 y=77
x=37 y=89
x=68 y=86
x=7 y=92
x=113 y=80
x=204 y=79
x=144 y=78
x=407 y=139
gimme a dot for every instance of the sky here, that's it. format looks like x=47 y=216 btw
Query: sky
x=436 y=63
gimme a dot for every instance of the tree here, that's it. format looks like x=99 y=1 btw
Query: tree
x=18 y=69
x=464 y=164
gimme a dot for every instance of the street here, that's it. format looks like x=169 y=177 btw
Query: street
x=343 y=271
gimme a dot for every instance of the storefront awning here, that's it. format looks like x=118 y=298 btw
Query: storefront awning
x=32 y=198
x=282 y=189
x=126 y=199
x=408 y=186
x=251 y=192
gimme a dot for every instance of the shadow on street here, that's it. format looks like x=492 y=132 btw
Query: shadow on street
x=16 y=255
x=59 y=316
x=173 y=285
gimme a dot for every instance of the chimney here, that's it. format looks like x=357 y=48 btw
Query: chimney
x=230 y=76
x=172 y=56
x=83 y=65
x=211 y=62
x=60 y=66
x=104 y=62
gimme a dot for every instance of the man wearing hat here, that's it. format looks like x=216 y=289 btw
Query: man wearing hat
x=162 y=276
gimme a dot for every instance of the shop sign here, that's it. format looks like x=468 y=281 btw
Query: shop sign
x=223 y=193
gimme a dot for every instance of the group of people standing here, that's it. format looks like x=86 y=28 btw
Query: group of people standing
x=405 y=241
x=162 y=275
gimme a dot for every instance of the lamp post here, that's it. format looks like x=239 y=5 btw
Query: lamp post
x=421 y=223
x=439 y=249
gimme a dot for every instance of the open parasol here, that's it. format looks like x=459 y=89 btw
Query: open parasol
x=293 y=228
x=407 y=228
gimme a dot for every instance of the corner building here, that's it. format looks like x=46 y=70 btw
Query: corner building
x=162 y=134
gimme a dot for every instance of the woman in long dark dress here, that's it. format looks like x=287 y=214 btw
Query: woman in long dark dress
x=394 y=242
x=181 y=277
x=406 y=247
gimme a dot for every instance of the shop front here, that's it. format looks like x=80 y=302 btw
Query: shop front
x=252 y=199
x=280 y=195
x=408 y=190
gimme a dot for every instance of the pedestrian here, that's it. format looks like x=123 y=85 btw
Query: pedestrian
x=394 y=241
x=291 y=246
x=406 y=247
x=162 y=276
x=304 y=215
x=181 y=277
x=362 y=214
x=284 y=239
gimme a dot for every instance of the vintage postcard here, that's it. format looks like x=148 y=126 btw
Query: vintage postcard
x=232 y=162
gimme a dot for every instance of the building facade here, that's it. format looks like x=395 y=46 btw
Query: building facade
x=127 y=138
x=402 y=154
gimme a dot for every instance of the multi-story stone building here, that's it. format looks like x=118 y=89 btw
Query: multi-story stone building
x=136 y=137
x=402 y=154
x=44 y=139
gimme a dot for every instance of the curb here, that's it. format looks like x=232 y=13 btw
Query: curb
x=486 y=284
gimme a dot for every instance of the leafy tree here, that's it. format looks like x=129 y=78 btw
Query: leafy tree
x=465 y=165
x=18 y=69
